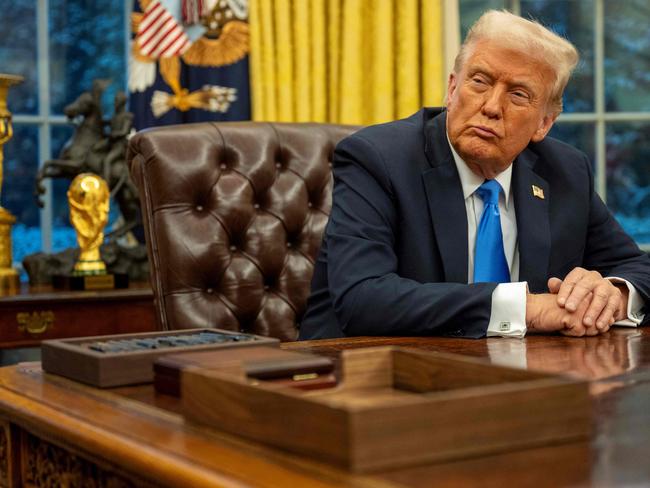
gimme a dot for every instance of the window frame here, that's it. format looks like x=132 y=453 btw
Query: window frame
x=45 y=120
x=600 y=116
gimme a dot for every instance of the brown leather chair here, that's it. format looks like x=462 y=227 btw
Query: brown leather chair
x=233 y=216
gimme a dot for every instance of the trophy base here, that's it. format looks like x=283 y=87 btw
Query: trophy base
x=9 y=281
x=90 y=282
x=85 y=267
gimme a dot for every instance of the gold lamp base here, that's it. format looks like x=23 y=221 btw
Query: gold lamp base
x=9 y=280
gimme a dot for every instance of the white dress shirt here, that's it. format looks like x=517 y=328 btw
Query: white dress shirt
x=508 y=316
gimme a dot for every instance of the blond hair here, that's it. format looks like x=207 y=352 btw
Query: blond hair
x=529 y=36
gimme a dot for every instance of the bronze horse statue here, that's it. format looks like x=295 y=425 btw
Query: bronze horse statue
x=93 y=149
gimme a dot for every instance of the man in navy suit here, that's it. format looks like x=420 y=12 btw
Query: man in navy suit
x=406 y=235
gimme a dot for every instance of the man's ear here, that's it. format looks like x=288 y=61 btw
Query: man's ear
x=544 y=126
x=451 y=87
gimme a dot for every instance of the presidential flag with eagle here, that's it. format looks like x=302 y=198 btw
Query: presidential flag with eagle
x=189 y=61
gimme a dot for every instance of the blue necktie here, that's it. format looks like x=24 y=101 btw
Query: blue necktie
x=490 y=263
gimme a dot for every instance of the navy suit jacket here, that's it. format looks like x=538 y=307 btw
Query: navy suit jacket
x=394 y=255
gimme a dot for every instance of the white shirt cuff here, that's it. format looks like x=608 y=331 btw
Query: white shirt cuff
x=508 y=317
x=634 y=304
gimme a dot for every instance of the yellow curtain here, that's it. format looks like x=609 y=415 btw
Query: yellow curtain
x=345 y=61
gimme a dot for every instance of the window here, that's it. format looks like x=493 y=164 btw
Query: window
x=607 y=102
x=60 y=47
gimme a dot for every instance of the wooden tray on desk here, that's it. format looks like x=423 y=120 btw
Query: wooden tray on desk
x=396 y=407
x=74 y=359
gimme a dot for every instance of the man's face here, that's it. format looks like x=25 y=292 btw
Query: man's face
x=496 y=105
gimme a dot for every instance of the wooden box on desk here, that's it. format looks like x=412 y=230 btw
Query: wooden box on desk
x=396 y=407
x=73 y=358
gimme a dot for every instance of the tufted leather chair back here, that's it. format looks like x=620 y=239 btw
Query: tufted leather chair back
x=233 y=216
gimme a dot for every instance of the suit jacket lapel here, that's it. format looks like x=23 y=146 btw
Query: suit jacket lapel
x=533 y=228
x=445 y=199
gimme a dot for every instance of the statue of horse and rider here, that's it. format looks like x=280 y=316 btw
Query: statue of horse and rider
x=98 y=146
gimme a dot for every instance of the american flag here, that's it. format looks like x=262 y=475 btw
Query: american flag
x=159 y=35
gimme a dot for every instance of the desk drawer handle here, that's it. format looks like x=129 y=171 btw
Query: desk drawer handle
x=36 y=322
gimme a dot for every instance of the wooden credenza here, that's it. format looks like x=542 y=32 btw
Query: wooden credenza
x=55 y=432
x=40 y=313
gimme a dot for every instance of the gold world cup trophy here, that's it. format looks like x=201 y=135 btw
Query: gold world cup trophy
x=88 y=197
x=9 y=281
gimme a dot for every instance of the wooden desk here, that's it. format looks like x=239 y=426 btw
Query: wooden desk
x=62 y=433
x=40 y=313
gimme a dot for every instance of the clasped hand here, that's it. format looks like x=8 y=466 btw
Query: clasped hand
x=584 y=303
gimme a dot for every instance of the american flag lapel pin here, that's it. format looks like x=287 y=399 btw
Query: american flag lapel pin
x=538 y=192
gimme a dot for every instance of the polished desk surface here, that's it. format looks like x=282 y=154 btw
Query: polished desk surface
x=142 y=432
